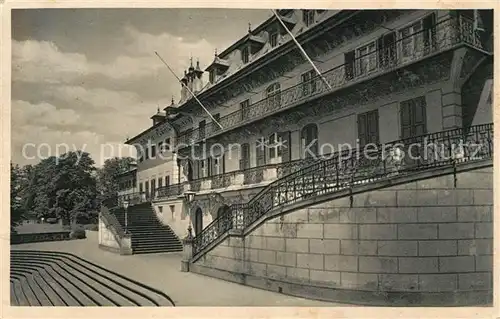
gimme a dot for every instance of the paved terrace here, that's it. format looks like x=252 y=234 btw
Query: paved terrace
x=162 y=271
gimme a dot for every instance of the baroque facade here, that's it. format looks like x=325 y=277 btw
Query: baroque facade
x=387 y=76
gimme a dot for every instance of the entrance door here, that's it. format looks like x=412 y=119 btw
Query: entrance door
x=198 y=221
x=413 y=125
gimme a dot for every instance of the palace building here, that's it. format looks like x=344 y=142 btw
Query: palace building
x=282 y=194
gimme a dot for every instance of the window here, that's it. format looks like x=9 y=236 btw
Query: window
x=160 y=182
x=411 y=40
x=153 y=151
x=217 y=165
x=273 y=95
x=350 y=59
x=172 y=211
x=413 y=117
x=260 y=151
x=140 y=188
x=245 y=56
x=153 y=186
x=368 y=128
x=245 y=156
x=366 y=58
x=148 y=150
x=160 y=209
x=244 y=106
x=201 y=128
x=166 y=145
x=167 y=180
x=212 y=76
x=308 y=17
x=387 y=55
x=308 y=83
x=309 y=138
x=203 y=168
x=273 y=39
x=274 y=145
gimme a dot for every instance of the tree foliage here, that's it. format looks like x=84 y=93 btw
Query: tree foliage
x=107 y=176
x=17 y=212
x=68 y=187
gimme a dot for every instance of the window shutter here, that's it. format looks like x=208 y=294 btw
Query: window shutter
x=195 y=166
x=285 y=150
x=362 y=129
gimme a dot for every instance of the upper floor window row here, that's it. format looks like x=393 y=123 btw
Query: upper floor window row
x=403 y=45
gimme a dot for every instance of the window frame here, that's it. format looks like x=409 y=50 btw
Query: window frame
x=308 y=17
x=245 y=54
x=308 y=81
x=359 y=57
x=273 y=94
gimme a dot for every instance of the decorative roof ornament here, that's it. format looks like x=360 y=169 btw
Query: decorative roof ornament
x=216 y=52
x=191 y=68
x=172 y=100
x=249 y=27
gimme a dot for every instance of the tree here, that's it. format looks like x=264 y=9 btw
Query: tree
x=62 y=187
x=107 y=176
x=17 y=212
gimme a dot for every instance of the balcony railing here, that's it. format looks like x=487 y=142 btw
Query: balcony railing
x=250 y=176
x=349 y=168
x=442 y=36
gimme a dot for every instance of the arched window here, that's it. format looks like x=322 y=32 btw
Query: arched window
x=309 y=138
x=273 y=95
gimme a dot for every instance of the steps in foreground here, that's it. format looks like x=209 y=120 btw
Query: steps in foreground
x=45 y=278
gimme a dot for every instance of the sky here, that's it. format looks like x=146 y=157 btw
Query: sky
x=86 y=79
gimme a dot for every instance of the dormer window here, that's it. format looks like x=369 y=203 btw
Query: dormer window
x=212 y=76
x=273 y=39
x=245 y=55
x=308 y=17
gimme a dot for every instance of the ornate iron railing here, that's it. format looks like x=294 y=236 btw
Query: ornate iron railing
x=443 y=36
x=348 y=168
x=253 y=175
x=170 y=190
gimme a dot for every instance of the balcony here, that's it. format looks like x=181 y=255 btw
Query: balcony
x=443 y=36
x=237 y=179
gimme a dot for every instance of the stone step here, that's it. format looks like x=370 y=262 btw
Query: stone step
x=67 y=280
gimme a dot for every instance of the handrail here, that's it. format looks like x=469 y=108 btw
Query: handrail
x=445 y=35
x=112 y=223
x=344 y=169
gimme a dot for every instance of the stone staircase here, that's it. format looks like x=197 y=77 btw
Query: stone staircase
x=149 y=235
x=48 y=278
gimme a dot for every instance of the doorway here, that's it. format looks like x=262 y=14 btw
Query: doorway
x=198 y=221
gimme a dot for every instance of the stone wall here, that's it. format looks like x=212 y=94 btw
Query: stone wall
x=423 y=242
x=106 y=238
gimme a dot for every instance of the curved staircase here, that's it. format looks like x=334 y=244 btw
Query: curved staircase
x=46 y=278
x=342 y=173
x=148 y=234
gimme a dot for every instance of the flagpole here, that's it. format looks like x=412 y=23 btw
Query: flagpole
x=301 y=49
x=197 y=100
